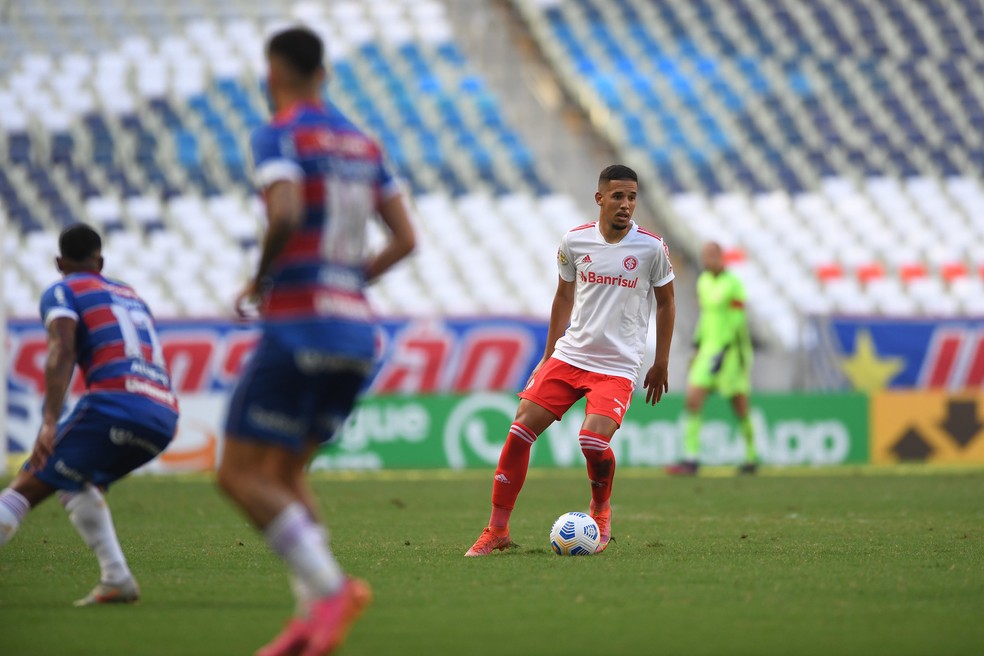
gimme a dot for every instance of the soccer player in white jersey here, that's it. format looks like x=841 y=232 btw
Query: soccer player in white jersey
x=610 y=273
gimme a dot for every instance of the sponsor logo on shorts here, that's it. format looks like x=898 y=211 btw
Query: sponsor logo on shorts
x=630 y=263
x=618 y=281
x=313 y=362
x=122 y=437
x=276 y=421
x=68 y=472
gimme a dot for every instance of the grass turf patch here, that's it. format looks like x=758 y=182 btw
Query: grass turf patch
x=820 y=564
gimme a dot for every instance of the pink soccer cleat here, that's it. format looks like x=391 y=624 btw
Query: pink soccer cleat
x=289 y=641
x=332 y=617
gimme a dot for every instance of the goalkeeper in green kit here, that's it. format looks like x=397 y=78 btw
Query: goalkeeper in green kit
x=723 y=360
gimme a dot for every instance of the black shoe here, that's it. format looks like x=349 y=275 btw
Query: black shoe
x=748 y=468
x=684 y=468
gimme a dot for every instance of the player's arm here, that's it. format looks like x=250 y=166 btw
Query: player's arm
x=560 y=317
x=58 y=369
x=737 y=321
x=285 y=210
x=698 y=333
x=657 y=378
x=401 y=241
x=560 y=314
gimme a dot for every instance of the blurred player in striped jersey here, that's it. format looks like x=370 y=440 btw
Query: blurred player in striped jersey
x=723 y=359
x=127 y=416
x=610 y=272
x=322 y=180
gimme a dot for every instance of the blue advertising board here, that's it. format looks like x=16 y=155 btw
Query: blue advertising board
x=870 y=354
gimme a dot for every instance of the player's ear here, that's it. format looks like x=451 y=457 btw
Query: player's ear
x=598 y=197
x=58 y=265
x=99 y=263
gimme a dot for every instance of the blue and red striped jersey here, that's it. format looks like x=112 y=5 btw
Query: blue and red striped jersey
x=319 y=277
x=116 y=340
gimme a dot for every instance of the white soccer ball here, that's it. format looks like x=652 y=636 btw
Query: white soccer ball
x=575 y=534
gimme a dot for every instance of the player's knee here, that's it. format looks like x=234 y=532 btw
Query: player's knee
x=534 y=417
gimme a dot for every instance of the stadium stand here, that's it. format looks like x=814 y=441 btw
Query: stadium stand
x=836 y=147
x=135 y=116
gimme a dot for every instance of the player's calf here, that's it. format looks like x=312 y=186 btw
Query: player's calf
x=14 y=506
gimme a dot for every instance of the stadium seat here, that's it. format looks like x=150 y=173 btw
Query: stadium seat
x=146 y=135
x=872 y=137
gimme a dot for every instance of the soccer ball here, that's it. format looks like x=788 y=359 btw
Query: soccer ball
x=574 y=534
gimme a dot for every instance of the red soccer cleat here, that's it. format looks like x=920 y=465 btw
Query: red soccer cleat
x=685 y=468
x=603 y=518
x=490 y=541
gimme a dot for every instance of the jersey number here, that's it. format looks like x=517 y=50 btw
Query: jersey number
x=131 y=320
x=348 y=206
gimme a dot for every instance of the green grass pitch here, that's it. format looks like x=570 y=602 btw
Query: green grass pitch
x=842 y=562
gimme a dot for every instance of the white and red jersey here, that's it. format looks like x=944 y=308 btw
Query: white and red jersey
x=613 y=297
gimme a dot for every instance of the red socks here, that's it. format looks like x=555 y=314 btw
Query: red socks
x=510 y=474
x=601 y=465
x=514 y=461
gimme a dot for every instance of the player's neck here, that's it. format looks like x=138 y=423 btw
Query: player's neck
x=71 y=268
x=611 y=234
x=294 y=97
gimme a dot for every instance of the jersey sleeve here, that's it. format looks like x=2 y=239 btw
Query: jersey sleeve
x=274 y=157
x=56 y=302
x=565 y=261
x=662 y=270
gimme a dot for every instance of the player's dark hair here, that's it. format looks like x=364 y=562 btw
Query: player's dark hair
x=617 y=172
x=300 y=48
x=79 y=242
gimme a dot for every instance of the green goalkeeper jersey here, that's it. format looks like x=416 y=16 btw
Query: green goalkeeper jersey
x=722 y=321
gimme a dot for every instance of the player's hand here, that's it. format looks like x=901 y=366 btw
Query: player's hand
x=657 y=382
x=43 y=447
x=718 y=361
x=248 y=301
x=536 y=370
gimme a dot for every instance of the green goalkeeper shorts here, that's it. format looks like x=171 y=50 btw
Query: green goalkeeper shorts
x=725 y=372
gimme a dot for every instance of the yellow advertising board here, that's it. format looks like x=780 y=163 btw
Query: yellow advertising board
x=927 y=427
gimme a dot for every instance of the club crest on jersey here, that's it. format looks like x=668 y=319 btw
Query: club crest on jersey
x=630 y=263
x=561 y=257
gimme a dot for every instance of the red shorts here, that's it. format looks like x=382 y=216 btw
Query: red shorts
x=558 y=385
